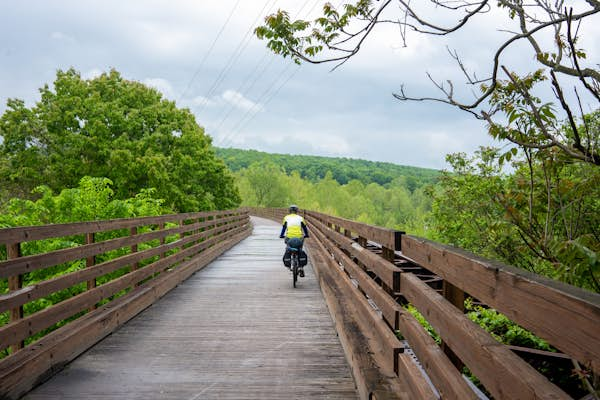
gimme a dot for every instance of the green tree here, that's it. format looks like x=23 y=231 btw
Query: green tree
x=92 y=199
x=393 y=205
x=115 y=128
x=545 y=210
x=263 y=186
x=543 y=216
x=343 y=170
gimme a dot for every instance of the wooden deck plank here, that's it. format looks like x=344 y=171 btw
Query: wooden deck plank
x=234 y=330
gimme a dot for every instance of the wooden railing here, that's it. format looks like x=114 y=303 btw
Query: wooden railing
x=368 y=274
x=105 y=272
x=108 y=272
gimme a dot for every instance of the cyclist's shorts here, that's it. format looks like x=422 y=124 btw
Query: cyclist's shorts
x=295 y=243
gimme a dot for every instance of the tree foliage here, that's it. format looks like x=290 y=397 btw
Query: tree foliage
x=392 y=205
x=343 y=170
x=92 y=199
x=114 y=128
x=543 y=217
x=506 y=99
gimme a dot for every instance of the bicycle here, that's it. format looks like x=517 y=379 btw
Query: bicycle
x=294 y=246
x=295 y=264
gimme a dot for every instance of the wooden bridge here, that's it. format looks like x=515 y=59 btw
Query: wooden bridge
x=97 y=317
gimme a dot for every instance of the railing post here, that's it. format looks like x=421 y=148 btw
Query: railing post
x=390 y=255
x=161 y=226
x=90 y=262
x=13 y=251
x=348 y=234
x=182 y=234
x=134 y=248
x=362 y=241
x=457 y=297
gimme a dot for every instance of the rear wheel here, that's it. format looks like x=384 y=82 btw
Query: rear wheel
x=294 y=269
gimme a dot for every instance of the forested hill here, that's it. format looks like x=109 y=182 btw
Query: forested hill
x=343 y=170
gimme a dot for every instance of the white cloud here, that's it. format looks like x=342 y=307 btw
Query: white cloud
x=349 y=112
x=238 y=100
x=297 y=142
x=163 y=38
x=92 y=73
x=61 y=36
x=162 y=85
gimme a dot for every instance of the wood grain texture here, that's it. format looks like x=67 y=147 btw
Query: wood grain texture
x=61 y=282
x=550 y=309
x=38 y=261
x=373 y=381
x=40 y=320
x=30 y=233
x=235 y=330
x=385 y=270
x=503 y=373
x=27 y=368
x=447 y=379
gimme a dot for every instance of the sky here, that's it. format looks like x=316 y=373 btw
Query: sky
x=203 y=55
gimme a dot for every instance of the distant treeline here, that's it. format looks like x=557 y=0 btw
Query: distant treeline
x=343 y=170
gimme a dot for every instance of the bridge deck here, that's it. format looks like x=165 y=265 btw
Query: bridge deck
x=234 y=330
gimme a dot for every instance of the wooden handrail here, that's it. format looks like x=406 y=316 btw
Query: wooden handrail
x=360 y=260
x=148 y=272
x=449 y=380
x=567 y=317
x=38 y=261
x=31 y=233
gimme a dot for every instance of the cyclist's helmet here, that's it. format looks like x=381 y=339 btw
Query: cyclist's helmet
x=294 y=208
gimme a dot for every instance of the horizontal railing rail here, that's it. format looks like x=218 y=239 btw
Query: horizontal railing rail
x=565 y=316
x=98 y=275
x=94 y=276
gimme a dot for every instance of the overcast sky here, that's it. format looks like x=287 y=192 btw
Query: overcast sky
x=202 y=54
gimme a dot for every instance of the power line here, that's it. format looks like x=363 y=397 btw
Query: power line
x=243 y=87
x=209 y=51
x=253 y=111
x=256 y=108
x=234 y=56
x=267 y=101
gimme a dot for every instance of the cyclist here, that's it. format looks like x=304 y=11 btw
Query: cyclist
x=294 y=231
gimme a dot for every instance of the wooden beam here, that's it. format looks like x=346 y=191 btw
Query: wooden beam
x=385 y=237
x=565 y=316
x=446 y=378
x=89 y=263
x=498 y=369
x=22 y=371
x=502 y=372
x=456 y=297
x=31 y=233
x=31 y=263
x=15 y=283
x=388 y=272
x=372 y=381
x=34 y=323
x=45 y=288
